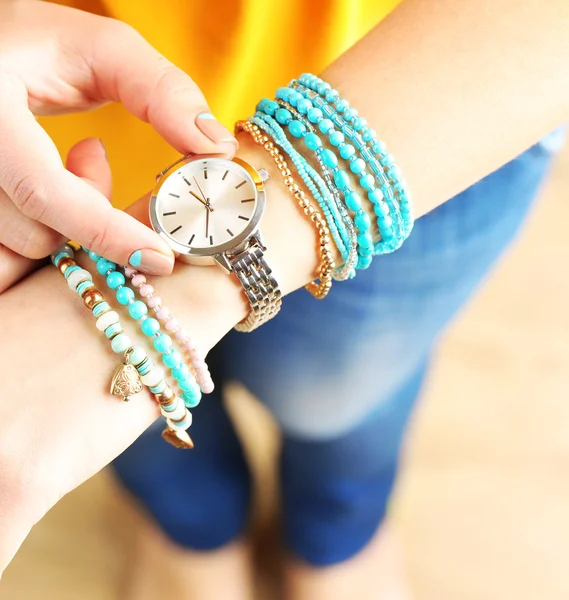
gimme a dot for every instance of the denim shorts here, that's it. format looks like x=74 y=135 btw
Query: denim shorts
x=341 y=377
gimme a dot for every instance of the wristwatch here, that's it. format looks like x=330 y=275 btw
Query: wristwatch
x=209 y=210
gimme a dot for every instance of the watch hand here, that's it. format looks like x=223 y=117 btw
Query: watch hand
x=198 y=198
x=207 y=223
x=202 y=200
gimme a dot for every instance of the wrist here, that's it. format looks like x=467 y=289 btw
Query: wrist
x=209 y=301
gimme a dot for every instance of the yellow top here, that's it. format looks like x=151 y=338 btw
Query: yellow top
x=237 y=51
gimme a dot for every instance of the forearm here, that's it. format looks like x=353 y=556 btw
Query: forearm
x=456 y=89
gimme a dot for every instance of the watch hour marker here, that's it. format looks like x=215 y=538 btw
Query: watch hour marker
x=240 y=184
x=224 y=176
x=169 y=214
x=211 y=240
x=249 y=200
x=205 y=173
x=191 y=239
x=174 y=230
x=175 y=195
x=186 y=181
x=244 y=218
x=230 y=232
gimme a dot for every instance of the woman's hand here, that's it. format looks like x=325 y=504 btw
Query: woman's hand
x=55 y=60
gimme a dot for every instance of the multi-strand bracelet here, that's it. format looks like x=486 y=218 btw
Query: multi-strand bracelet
x=319 y=289
x=138 y=369
x=353 y=164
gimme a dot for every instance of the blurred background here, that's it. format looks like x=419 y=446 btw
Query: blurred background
x=483 y=501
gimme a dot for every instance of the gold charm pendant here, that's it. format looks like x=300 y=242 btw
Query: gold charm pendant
x=126 y=382
x=178 y=439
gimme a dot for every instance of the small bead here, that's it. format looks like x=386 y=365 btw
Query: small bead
x=282 y=93
x=154 y=301
x=191 y=400
x=362 y=221
x=138 y=280
x=181 y=335
x=163 y=342
x=326 y=126
x=379 y=147
x=97 y=306
x=336 y=138
x=136 y=355
x=312 y=141
x=181 y=371
x=365 y=240
x=125 y=295
x=163 y=313
x=115 y=280
x=104 y=265
x=113 y=330
x=314 y=115
x=177 y=425
x=341 y=105
x=121 y=343
x=341 y=179
x=175 y=410
x=283 y=116
x=129 y=271
x=367 y=181
x=271 y=107
x=384 y=222
x=375 y=196
x=358 y=123
x=347 y=151
x=158 y=389
x=172 y=325
x=358 y=166
x=353 y=201
x=332 y=95
x=150 y=326
x=106 y=320
x=329 y=158
x=303 y=106
x=172 y=359
x=296 y=128
x=93 y=256
x=146 y=290
x=381 y=209
x=137 y=309
x=153 y=377
x=76 y=277
x=369 y=135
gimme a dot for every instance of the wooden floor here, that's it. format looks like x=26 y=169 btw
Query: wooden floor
x=483 y=503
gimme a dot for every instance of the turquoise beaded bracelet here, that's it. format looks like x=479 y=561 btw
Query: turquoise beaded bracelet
x=138 y=369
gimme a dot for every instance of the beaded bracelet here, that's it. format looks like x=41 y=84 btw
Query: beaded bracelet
x=162 y=342
x=138 y=369
x=329 y=167
x=313 y=181
x=369 y=137
x=319 y=289
x=196 y=361
x=394 y=221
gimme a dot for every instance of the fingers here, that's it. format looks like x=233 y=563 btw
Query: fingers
x=127 y=69
x=33 y=177
x=88 y=160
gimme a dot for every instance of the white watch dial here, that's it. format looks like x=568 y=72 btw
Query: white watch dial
x=205 y=203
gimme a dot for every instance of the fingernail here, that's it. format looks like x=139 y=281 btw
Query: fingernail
x=216 y=132
x=151 y=261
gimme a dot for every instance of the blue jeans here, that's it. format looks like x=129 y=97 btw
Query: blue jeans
x=341 y=377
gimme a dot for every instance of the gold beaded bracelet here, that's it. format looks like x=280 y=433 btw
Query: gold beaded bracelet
x=320 y=287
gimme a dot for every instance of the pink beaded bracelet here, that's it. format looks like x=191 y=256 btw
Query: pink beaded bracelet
x=196 y=360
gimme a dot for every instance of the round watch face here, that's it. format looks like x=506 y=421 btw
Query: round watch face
x=205 y=206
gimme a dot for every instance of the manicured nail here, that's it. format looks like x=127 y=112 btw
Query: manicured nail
x=216 y=132
x=151 y=261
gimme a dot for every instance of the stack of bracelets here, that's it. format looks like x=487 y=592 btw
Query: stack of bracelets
x=350 y=163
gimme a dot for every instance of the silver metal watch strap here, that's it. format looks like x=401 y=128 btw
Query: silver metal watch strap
x=261 y=288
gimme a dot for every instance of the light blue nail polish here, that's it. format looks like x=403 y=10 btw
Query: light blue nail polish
x=205 y=115
x=135 y=259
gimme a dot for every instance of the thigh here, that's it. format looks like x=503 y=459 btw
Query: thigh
x=323 y=366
